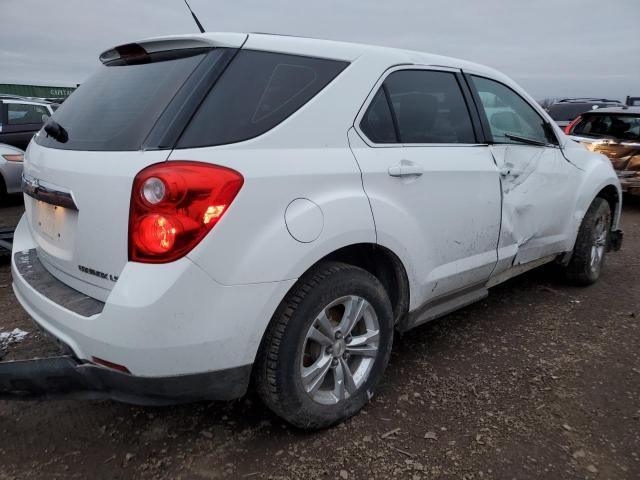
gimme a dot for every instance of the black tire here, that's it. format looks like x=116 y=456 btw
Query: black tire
x=582 y=268
x=277 y=374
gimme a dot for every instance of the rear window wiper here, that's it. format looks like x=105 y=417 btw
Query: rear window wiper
x=56 y=131
x=529 y=141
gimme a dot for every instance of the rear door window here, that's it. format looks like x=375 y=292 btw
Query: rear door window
x=116 y=108
x=426 y=107
x=24 y=113
x=257 y=91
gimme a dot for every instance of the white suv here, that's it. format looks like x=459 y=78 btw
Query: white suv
x=209 y=211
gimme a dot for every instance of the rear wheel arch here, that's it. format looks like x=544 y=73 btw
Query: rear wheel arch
x=383 y=264
x=611 y=195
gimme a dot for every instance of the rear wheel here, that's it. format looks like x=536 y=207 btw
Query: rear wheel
x=326 y=347
x=588 y=255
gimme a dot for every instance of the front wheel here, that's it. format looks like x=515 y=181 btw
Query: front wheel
x=588 y=255
x=326 y=347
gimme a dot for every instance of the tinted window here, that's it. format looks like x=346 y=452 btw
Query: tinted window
x=116 y=108
x=508 y=113
x=429 y=107
x=257 y=91
x=377 y=123
x=623 y=127
x=23 y=113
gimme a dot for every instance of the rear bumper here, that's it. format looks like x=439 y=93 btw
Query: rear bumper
x=67 y=377
x=159 y=321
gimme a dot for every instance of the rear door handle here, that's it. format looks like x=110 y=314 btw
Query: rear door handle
x=510 y=172
x=406 y=169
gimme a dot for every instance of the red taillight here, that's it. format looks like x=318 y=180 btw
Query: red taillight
x=174 y=205
x=573 y=123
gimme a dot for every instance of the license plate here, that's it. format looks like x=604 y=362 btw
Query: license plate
x=50 y=220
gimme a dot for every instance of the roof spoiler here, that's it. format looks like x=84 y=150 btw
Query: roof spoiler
x=137 y=51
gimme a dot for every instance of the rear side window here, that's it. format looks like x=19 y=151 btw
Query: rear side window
x=24 y=113
x=116 y=108
x=425 y=107
x=257 y=91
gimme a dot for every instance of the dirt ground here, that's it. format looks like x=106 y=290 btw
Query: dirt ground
x=541 y=380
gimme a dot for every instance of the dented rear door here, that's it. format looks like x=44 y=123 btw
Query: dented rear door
x=537 y=189
x=537 y=182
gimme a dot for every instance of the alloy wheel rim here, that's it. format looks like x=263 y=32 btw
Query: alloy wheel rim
x=339 y=350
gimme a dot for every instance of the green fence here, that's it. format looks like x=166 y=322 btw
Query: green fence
x=36 y=91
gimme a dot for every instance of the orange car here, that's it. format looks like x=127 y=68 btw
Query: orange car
x=614 y=132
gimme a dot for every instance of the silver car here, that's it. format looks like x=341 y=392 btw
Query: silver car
x=10 y=169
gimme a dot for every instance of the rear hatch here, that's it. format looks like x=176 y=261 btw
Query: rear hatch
x=125 y=117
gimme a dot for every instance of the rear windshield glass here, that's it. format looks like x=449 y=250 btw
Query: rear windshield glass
x=116 y=108
x=565 y=112
x=257 y=91
x=621 y=127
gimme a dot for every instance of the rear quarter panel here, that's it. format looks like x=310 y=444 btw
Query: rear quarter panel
x=306 y=156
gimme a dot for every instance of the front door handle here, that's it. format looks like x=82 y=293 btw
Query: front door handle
x=406 y=169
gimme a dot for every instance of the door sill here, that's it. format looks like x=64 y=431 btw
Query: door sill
x=441 y=306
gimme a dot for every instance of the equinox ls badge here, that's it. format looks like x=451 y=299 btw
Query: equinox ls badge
x=98 y=273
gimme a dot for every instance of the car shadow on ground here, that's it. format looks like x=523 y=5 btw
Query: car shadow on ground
x=430 y=341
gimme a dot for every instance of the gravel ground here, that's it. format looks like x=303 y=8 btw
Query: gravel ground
x=541 y=380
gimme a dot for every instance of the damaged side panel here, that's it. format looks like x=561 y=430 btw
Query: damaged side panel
x=538 y=187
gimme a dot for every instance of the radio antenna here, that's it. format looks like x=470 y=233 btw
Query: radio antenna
x=200 y=27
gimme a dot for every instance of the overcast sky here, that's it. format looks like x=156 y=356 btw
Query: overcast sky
x=554 y=48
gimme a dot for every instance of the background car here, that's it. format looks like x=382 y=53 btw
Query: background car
x=633 y=101
x=564 y=111
x=10 y=169
x=21 y=118
x=615 y=132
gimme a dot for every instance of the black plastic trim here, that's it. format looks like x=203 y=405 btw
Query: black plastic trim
x=38 y=277
x=392 y=111
x=68 y=377
x=484 y=122
x=472 y=108
x=178 y=114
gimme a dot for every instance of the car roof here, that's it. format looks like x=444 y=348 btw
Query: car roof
x=331 y=49
x=622 y=110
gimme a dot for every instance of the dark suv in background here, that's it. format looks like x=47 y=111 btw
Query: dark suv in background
x=564 y=111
